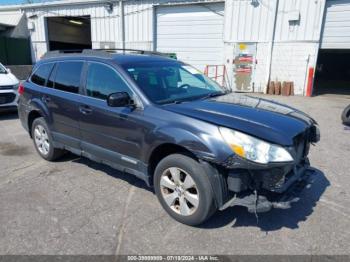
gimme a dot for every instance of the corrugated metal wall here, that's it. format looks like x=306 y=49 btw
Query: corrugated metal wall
x=139 y=24
x=295 y=43
x=308 y=27
x=249 y=22
x=245 y=22
x=104 y=24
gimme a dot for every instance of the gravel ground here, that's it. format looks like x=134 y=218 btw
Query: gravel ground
x=75 y=206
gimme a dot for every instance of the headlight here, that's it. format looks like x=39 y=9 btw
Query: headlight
x=254 y=149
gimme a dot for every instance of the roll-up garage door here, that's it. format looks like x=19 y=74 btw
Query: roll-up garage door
x=193 y=32
x=336 y=28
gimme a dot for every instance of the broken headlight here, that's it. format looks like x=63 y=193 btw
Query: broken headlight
x=254 y=149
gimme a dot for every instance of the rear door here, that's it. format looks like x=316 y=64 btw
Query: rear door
x=37 y=90
x=113 y=134
x=63 y=101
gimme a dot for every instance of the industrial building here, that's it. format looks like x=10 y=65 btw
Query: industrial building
x=251 y=42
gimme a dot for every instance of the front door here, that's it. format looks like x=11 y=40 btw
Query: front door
x=112 y=134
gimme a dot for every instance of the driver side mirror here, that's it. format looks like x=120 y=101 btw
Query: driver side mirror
x=119 y=99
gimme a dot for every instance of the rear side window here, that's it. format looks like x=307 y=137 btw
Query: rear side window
x=103 y=81
x=68 y=76
x=41 y=74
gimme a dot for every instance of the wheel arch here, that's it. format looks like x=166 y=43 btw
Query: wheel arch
x=37 y=109
x=34 y=114
x=163 y=150
x=217 y=179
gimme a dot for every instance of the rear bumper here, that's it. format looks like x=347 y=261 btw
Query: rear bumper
x=264 y=200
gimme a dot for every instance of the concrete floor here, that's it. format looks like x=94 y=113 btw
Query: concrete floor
x=75 y=206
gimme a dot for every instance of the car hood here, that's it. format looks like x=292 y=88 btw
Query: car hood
x=258 y=117
x=8 y=80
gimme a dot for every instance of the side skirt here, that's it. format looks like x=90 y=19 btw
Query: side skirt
x=101 y=155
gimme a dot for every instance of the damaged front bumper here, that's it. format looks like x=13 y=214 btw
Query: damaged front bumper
x=263 y=200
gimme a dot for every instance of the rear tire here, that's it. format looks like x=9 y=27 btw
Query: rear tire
x=345 y=117
x=184 y=190
x=43 y=141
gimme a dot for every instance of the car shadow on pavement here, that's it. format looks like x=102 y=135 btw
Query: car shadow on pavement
x=129 y=178
x=276 y=218
x=8 y=115
x=237 y=216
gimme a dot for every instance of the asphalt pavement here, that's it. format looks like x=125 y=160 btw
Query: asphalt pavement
x=75 y=206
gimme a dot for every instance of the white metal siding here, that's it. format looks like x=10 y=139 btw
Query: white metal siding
x=104 y=24
x=309 y=25
x=193 y=32
x=247 y=22
x=138 y=17
x=336 y=31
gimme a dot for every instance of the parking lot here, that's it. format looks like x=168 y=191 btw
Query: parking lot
x=75 y=206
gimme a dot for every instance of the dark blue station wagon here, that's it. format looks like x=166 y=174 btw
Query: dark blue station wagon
x=201 y=146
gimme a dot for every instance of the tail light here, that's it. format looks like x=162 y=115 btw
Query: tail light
x=20 y=89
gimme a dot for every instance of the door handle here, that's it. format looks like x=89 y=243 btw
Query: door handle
x=84 y=109
x=46 y=99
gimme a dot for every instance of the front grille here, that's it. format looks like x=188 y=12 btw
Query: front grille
x=7 y=98
x=6 y=87
x=274 y=178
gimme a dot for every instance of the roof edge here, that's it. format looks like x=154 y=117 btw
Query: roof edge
x=53 y=3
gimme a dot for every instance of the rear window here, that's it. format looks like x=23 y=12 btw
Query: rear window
x=41 y=74
x=68 y=76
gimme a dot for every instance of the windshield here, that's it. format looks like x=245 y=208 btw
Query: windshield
x=2 y=69
x=170 y=82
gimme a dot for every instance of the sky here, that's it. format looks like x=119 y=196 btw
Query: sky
x=13 y=2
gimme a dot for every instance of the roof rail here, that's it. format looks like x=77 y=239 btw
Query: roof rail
x=137 y=51
x=75 y=52
x=110 y=50
x=107 y=53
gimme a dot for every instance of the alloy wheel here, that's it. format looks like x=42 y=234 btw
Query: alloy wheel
x=41 y=139
x=179 y=191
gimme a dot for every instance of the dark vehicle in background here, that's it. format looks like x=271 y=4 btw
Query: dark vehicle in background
x=8 y=89
x=200 y=146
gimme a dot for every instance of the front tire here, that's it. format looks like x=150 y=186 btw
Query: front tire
x=43 y=141
x=184 y=190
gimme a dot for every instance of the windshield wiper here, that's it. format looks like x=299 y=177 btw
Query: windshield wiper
x=210 y=95
x=167 y=102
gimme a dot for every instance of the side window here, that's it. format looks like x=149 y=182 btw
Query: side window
x=68 y=76
x=103 y=81
x=41 y=74
x=50 y=81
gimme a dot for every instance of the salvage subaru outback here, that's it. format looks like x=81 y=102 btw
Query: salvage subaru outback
x=201 y=147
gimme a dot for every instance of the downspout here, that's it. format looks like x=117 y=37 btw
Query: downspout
x=122 y=24
x=271 y=43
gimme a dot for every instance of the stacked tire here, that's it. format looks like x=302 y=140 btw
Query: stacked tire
x=345 y=117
